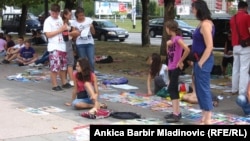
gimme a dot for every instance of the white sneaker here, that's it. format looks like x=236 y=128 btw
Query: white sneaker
x=71 y=83
x=32 y=65
x=39 y=65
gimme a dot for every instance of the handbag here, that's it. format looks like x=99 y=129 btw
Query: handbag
x=82 y=95
x=243 y=43
x=163 y=92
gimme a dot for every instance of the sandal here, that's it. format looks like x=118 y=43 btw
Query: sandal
x=103 y=105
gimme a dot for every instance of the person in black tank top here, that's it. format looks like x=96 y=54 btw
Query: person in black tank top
x=228 y=55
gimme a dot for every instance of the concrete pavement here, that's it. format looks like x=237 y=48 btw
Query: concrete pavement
x=17 y=125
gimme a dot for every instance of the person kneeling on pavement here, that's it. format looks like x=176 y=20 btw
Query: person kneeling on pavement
x=85 y=93
x=27 y=54
x=243 y=100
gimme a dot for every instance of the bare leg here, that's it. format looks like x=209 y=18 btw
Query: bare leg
x=176 y=106
x=70 y=73
x=82 y=105
x=207 y=117
x=202 y=121
x=53 y=76
x=63 y=76
x=14 y=56
x=93 y=96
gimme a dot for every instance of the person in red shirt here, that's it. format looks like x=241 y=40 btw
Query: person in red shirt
x=240 y=23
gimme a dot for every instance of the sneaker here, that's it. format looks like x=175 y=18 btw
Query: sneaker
x=39 y=65
x=171 y=116
x=66 y=86
x=58 y=88
x=174 y=118
x=71 y=83
x=168 y=116
x=32 y=65
x=20 y=64
x=5 y=61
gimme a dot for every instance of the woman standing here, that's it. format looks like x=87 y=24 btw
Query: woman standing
x=204 y=60
x=85 y=42
x=66 y=16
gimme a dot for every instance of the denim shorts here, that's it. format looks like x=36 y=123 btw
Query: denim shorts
x=84 y=100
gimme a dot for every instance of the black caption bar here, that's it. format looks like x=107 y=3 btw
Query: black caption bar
x=207 y=132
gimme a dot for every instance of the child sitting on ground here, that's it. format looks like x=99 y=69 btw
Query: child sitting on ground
x=85 y=93
x=26 y=55
x=12 y=52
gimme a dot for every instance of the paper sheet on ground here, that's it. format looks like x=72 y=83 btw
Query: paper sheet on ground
x=125 y=86
x=32 y=111
x=51 y=109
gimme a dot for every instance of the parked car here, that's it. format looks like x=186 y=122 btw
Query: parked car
x=156 y=27
x=11 y=22
x=222 y=28
x=105 y=29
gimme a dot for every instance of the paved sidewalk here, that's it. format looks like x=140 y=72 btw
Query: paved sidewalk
x=17 y=125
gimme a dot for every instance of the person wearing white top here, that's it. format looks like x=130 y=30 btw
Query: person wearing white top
x=12 y=52
x=53 y=28
x=3 y=45
x=85 y=42
x=158 y=72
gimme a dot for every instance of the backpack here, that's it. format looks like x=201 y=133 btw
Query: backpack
x=104 y=59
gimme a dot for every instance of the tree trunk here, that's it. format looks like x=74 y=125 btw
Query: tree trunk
x=22 y=29
x=80 y=3
x=169 y=14
x=145 y=23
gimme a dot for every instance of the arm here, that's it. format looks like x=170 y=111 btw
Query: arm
x=248 y=92
x=14 y=51
x=93 y=96
x=74 y=93
x=19 y=56
x=74 y=32
x=5 y=46
x=92 y=29
x=225 y=48
x=206 y=30
x=184 y=55
x=149 y=84
x=56 y=32
x=168 y=43
x=95 y=85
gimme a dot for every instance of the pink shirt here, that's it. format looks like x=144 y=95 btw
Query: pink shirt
x=2 y=44
x=174 y=53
